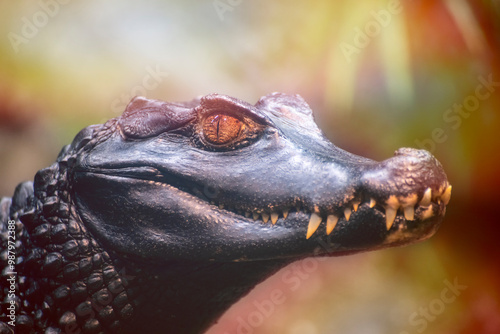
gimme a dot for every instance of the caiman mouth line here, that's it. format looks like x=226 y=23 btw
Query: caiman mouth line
x=411 y=207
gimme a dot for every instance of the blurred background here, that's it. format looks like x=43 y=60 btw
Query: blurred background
x=379 y=75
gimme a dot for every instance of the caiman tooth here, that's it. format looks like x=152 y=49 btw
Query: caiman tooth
x=347 y=213
x=331 y=221
x=221 y=206
x=265 y=217
x=355 y=205
x=446 y=195
x=390 y=216
x=409 y=212
x=314 y=222
x=437 y=194
x=427 y=213
x=426 y=199
x=248 y=214
x=274 y=217
x=391 y=210
x=285 y=213
x=255 y=216
x=372 y=202
x=393 y=202
x=408 y=203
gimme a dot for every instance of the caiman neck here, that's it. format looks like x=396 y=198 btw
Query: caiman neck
x=189 y=297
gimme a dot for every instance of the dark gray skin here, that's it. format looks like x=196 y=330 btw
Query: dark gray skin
x=158 y=220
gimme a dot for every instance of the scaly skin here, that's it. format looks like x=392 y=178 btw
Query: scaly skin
x=158 y=220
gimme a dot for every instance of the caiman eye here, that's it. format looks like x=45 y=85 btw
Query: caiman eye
x=220 y=129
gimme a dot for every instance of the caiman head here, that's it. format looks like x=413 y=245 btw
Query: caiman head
x=220 y=180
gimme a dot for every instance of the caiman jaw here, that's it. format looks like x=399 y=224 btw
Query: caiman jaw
x=409 y=208
x=410 y=187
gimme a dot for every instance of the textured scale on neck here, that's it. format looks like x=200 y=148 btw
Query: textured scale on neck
x=65 y=279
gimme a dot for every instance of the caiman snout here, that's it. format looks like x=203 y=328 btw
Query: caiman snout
x=412 y=182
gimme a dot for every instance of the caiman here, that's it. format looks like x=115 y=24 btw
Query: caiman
x=159 y=220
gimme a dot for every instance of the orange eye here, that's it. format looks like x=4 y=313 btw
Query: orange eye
x=221 y=129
